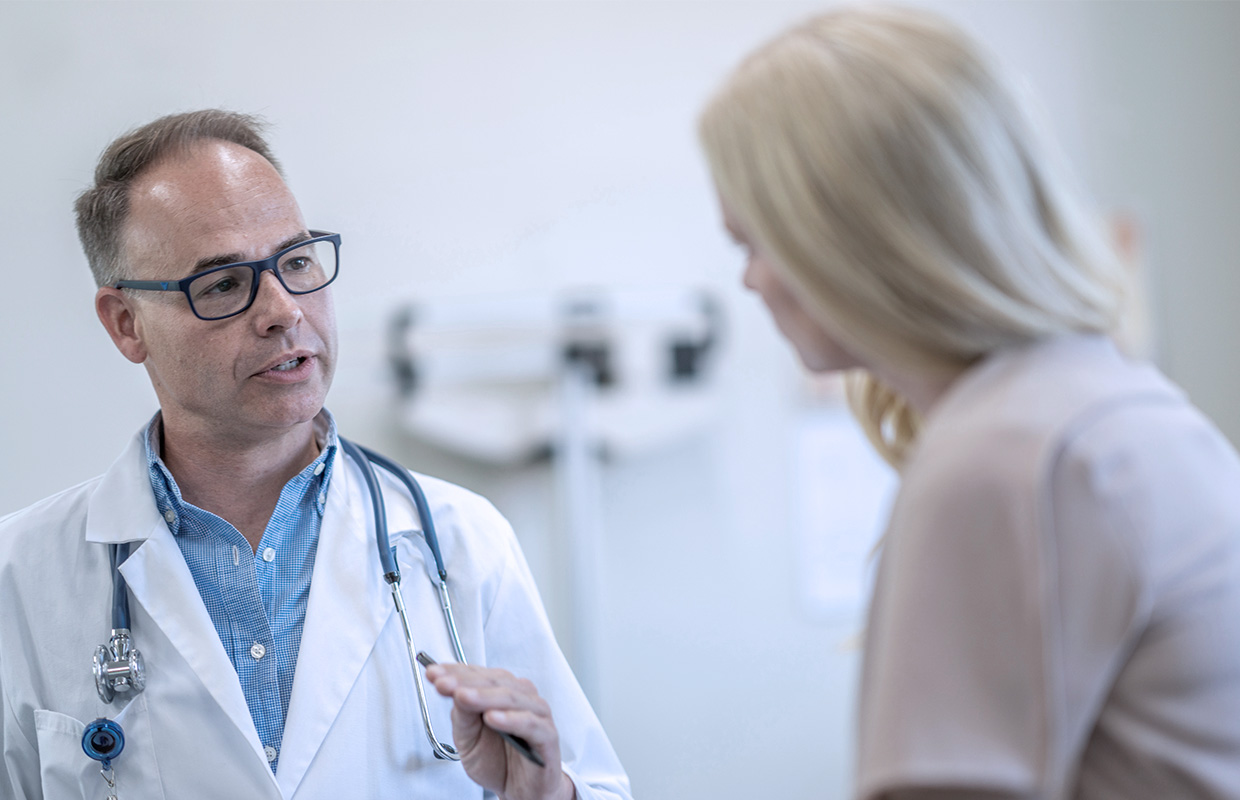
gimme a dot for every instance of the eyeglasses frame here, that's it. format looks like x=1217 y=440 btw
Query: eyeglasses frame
x=259 y=266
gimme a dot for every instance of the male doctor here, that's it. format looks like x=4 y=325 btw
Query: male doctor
x=275 y=664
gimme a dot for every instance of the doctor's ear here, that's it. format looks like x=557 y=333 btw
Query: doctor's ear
x=117 y=313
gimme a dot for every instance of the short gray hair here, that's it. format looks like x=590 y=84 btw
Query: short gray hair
x=103 y=209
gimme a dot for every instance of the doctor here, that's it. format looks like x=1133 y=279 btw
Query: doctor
x=276 y=667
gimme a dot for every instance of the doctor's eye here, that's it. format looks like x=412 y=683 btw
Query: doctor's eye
x=221 y=286
x=299 y=264
x=219 y=283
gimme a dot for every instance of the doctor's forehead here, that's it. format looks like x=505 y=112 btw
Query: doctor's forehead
x=218 y=199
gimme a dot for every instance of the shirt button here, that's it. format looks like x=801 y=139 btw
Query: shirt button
x=270 y=752
x=269 y=554
x=170 y=516
x=322 y=497
x=318 y=469
x=258 y=651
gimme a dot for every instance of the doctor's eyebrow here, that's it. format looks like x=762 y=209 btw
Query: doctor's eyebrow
x=234 y=258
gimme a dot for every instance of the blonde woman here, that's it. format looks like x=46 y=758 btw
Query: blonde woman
x=1056 y=612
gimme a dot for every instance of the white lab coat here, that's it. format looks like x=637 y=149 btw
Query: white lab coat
x=353 y=727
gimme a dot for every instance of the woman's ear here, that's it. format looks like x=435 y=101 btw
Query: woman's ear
x=119 y=317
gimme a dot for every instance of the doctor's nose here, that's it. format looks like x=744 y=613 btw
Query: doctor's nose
x=274 y=308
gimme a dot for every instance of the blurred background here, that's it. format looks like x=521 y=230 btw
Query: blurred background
x=513 y=178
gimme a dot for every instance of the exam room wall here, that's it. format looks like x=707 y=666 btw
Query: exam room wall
x=458 y=145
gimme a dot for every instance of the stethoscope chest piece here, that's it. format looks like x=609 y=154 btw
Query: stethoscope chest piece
x=118 y=667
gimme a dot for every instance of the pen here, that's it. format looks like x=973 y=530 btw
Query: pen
x=518 y=744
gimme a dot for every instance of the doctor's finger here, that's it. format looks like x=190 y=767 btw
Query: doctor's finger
x=537 y=730
x=502 y=698
x=471 y=675
x=444 y=683
x=449 y=682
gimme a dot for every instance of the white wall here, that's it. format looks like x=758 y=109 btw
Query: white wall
x=519 y=144
x=1162 y=139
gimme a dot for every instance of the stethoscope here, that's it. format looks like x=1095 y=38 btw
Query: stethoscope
x=118 y=666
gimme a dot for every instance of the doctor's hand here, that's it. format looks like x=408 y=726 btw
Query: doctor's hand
x=510 y=704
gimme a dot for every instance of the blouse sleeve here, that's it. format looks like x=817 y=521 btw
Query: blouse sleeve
x=1003 y=597
x=954 y=685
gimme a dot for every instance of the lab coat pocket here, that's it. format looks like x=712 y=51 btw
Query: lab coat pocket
x=65 y=771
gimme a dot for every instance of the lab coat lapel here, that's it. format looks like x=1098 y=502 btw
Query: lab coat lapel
x=161 y=582
x=348 y=607
x=122 y=509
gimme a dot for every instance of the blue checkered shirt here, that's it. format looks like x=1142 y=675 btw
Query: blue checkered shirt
x=257 y=600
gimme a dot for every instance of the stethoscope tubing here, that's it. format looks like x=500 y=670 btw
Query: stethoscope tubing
x=391 y=573
x=118 y=553
x=419 y=500
x=364 y=457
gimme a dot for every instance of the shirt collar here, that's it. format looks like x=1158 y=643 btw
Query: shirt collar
x=316 y=475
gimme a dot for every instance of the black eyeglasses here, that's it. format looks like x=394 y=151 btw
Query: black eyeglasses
x=228 y=290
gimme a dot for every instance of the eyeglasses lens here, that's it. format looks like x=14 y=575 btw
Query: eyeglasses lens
x=302 y=269
x=309 y=267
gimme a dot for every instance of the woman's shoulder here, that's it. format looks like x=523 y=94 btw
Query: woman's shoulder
x=1034 y=438
x=1017 y=408
x=998 y=436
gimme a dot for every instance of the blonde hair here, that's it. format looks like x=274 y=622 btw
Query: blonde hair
x=904 y=196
